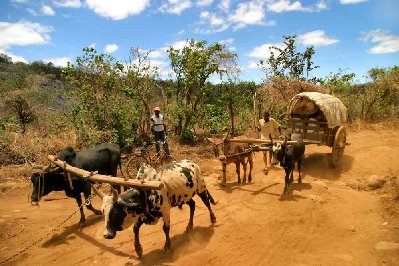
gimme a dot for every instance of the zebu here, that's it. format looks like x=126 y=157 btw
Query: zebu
x=182 y=180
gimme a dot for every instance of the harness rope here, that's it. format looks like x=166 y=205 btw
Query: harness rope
x=87 y=202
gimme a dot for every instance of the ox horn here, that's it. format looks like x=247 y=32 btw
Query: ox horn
x=98 y=192
x=114 y=195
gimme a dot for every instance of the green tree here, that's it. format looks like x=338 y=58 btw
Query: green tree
x=193 y=65
x=140 y=81
x=288 y=63
x=102 y=112
x=20 y=107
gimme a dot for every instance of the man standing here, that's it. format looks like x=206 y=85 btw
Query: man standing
x=267 y=128
x=158 y=128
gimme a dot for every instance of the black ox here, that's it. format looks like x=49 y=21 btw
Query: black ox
x=44 y=183
x=287 y=155
x=103 y=158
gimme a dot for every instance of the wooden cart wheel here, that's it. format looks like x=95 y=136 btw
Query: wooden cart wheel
x=133 y=165
x=339 y=145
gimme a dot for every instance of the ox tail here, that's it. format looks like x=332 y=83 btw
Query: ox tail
x=211 y=200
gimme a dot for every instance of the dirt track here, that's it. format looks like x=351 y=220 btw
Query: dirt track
x=323 y=222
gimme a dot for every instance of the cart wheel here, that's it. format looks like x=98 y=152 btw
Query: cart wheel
x=133 y=165
x=339 y=145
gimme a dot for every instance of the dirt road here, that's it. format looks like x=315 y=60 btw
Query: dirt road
x=326 y=221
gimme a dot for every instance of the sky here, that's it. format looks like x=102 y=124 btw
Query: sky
x=352 y=35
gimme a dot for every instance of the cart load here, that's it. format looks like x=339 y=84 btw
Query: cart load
x=320 y=119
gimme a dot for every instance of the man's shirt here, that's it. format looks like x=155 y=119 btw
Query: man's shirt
x=267 y=128
x=157 y=122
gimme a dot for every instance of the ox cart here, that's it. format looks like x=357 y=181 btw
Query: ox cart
x=319 y=118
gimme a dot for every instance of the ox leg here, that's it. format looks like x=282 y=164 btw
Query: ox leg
x=299 y=171
x=82 y=215
x=136 y=231
x=244 y=167
x=287 y=179
x=251 y=165
x=166 y=228
x=191 y=203
x=224 y=173
x=238 y=172
x=206 y=200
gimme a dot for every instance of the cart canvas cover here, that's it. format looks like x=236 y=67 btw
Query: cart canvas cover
x=308 y=103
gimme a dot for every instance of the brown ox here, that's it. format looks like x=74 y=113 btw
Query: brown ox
x=233 y=153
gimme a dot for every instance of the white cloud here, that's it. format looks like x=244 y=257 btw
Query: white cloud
x=15 y=58
x=156 y=54
x=68 y=3
x=22 y=34
x=213 y=22
x=228 y=41
x=316 y=38
x=345 y=2
x=48 y=11
x=175 y=6
x=32 y=12
x=93 y=45
x=252 y=65
x=110 y=48
x=117 y=9
x=249 y=13
x=179 y=45
x=204 y=2
x=280 y=6
x=224 y=5
x=321 y=5
x=19 y=1
x=285 y=6
x=263 y=51
x=58 y=61
x=386 y=43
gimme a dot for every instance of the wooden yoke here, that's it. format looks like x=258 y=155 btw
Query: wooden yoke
x=250 y=141
x=105 y=178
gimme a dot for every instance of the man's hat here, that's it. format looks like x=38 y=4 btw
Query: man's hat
x=157 y=109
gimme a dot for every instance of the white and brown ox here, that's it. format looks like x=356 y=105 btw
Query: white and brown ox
x=181 y=179
x=238 y=153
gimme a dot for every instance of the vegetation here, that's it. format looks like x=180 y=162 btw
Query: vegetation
x=97 y=98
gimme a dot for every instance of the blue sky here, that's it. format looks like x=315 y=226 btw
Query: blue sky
x=354 y=35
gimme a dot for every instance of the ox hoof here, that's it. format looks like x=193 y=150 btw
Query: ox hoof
x=97 y=212
x=139 y=251
x=189 y=227
x=166 y=248
x=82 y=224
x=300 y=180
x=213 y=219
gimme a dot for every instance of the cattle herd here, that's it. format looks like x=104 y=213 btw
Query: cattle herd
x=181 y=180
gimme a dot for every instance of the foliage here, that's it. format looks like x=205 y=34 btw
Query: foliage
x=288 y=63
x=101 y=112
x=21 y=108
x=192 y=67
